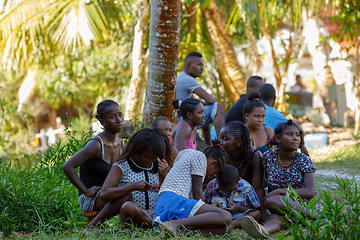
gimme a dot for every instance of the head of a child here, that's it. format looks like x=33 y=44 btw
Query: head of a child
x=147 y=146
x=110 y=116
x=227 y=179
x=164 y=124
x=254 y=111
x=191 y=109
x=234 y=136
x=287 y=135
x=216 y=158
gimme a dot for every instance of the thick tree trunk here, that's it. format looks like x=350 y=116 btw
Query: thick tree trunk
x=229 y=68
x=357 y=88
x=139 y=62
x=163 y=59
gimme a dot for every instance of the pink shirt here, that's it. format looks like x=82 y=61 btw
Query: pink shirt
x=190 y=144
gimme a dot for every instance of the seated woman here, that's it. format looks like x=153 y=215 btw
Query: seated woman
x=234 y=138
x=96 y=158
x=284 y=167
x=184 y=133
x=131 y=187
x=254 y=113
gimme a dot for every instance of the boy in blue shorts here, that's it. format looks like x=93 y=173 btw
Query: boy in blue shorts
x=234 y=194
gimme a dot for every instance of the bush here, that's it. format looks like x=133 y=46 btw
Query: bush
x=41 y=198
x=339 y=218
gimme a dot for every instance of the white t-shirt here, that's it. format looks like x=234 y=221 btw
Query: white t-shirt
x=189 y=162
x=185 y=86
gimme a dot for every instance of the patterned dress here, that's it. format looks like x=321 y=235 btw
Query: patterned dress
x=278 y=177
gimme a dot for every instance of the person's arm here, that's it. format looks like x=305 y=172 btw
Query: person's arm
x=307 y=192
x=270 y=131
x=91 y=149
x=163 y=170
x=258 y=179
x=182 y=134
x=110 y=191
x=197 y=187
x=208 y=99
x=235 y=208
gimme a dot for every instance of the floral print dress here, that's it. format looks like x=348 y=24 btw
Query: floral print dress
x=278 y=177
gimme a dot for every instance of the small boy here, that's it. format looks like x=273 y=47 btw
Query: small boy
x=234 y=194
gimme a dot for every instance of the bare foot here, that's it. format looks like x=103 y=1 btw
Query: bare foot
x=168 y=229
x=91 y=231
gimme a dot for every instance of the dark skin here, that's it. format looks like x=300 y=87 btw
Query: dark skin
x=288 y=142
x=119 y=198
x=112 y=123
x=235 y=208
x=194 y=67
x=181 y=133
x=235 y=159
x=209 y=219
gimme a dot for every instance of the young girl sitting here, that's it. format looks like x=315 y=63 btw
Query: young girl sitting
x=254 y=113
x=165 y=125
x=284 y=167
x=234 y=137
x=175 y=209
x=131 y=186
x=184 y=133
x=96 y=158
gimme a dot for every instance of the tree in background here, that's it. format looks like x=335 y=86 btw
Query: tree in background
x=163 y=59
x=346 y=16
x=268 y=18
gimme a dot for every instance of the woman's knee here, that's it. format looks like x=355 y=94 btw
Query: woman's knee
x=273 y=202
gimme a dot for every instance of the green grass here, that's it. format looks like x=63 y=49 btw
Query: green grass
x=42 y=201
x=346 y=159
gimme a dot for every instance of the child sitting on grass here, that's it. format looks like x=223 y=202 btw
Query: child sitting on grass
x=234 y=194
x=175 y=209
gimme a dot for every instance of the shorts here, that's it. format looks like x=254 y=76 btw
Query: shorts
x=237 y=215
x=87 y=203
x=171 y=206
x=210 y=113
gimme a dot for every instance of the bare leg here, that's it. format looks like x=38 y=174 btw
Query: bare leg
x=236 y=223
x=219 y=120
x=274 y=224
x=132 y=213
x=209 y=220
x=207 y=134
x=110 y=209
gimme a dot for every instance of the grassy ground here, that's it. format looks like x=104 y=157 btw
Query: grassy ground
x=330 y=161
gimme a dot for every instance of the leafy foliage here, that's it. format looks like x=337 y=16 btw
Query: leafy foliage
x=338 y=219
x=41 y=199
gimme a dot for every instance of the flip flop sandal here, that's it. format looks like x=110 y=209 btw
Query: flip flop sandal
x=253 y=228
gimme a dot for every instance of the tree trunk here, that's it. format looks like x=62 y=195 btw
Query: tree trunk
x=163 y=59
x=139 y=62
x=357 y=88
x=229 y=68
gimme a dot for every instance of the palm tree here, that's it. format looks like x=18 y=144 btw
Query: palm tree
x=163 y=58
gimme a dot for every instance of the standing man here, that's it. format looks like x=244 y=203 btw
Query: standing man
x=272 y=116
x=187 y=85
x=236 y=112
x=299 y=86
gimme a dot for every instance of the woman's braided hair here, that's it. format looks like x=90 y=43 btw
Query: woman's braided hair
x=240 y=131
x=216 y=152
x=188 y=105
